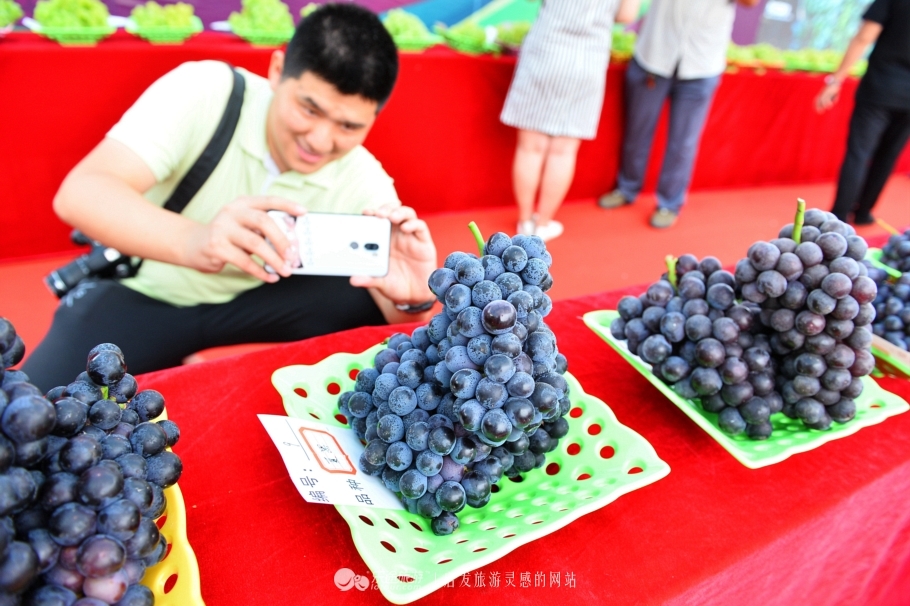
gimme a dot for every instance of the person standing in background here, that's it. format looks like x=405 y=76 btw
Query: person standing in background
x=680 y=54
x=880 y=124
x=555 y=101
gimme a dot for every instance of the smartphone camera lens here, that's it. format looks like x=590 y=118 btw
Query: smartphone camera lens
x=371 y=246
x=354 y=245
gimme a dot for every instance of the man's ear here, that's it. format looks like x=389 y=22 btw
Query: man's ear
x=276 y=65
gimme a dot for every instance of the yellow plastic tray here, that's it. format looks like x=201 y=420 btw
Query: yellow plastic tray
x=174 y=581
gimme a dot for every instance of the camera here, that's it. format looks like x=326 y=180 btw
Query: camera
x=101 y=261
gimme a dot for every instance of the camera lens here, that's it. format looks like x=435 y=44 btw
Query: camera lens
x=371 y=246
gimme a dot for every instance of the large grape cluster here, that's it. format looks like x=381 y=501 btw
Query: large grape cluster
x=83 y=472
x=152 y=14
x=71 y=13
x=474 y=395
x=892 y=309
x=262 y=16
x=787 y=332
x=700 y=341
x=10 y=12
x=896 y=253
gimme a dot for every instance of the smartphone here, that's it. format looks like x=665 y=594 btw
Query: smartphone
x=328 y=244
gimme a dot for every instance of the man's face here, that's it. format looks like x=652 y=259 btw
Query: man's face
x=310 y=123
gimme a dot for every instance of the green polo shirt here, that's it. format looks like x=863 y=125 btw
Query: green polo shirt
x=170 y=125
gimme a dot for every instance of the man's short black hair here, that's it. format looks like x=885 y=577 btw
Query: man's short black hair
x=347 y=46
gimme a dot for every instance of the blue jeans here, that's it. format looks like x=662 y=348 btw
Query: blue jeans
x=689 y=104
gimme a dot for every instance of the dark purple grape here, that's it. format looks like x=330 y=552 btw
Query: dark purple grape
x=833 y=245
x=28 y=418
x=149 y=438
x=440 y=281
x=763 y=256
x=148 y=404
x=120 y=519
x=144 y=540
x=100 y=482
x=71 y=523
x=171 y=431
x=731 y=421
x=164 y=469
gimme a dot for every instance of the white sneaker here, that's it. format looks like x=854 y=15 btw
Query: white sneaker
x=551 y=230
x=525 y=228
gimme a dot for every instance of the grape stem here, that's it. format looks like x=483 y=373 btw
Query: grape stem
x=887 y=227
x=798 y=221
x=477 y=236
x=671 y=270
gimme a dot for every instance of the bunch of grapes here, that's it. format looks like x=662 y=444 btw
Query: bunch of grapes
x=83 y=472
x=262 y=16
x=474 y=395
x=405 y=27
x=512 y=33
x=71 y=13
x=896 y=253
x=798 y=341
x=892 y=309
x=816 y=301
x=152 y=14
x=700 y=341
x=10 y=12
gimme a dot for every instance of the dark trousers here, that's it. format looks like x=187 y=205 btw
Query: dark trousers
x=877 y=136
x=155 y=335
x=690 y=101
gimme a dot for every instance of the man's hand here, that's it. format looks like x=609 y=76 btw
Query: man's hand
x=412 y=258
x=237 y=232
x=827 y=97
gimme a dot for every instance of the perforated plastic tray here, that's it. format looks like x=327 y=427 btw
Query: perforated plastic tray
x=165 y=35
x=265 y=38
x=790 y=435
x=597 y=462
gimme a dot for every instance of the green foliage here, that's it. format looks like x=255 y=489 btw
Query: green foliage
x=71 y=13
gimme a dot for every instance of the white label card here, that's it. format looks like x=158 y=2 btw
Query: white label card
x=322 y=462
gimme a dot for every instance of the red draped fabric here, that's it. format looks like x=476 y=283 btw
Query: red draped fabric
x=829 y=526
x=439 y=137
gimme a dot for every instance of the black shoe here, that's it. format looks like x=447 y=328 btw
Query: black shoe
x=866 y=219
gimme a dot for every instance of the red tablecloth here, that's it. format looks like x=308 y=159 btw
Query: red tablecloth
x=830 y=526
x=439 y=137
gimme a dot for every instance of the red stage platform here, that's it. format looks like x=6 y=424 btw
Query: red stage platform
x=829 y=526
x=440 y=136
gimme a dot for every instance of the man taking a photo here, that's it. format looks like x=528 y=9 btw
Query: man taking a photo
x=295 y=148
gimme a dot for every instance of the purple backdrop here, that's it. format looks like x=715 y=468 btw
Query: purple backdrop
x=745 y=28
x=218 y=10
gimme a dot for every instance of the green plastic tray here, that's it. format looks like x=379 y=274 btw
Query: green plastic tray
x=165 y=35
x=598 y=461
x=416 y=43
x=790 y=435
x=265 y=38
x=874 y=255
x=76 y=36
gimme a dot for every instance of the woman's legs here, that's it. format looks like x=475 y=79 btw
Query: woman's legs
x=527 y=170
x=558 y=172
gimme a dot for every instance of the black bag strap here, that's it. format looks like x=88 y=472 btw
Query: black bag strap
x=199 y=173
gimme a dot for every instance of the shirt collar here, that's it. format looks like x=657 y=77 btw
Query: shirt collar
x=253 y=142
